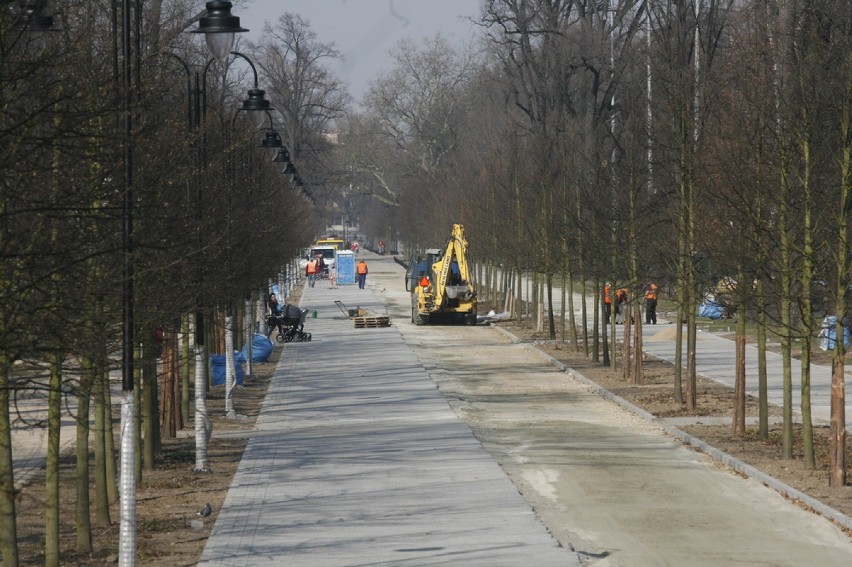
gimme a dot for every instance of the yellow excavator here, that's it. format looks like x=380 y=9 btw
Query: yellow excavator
x=441 y=284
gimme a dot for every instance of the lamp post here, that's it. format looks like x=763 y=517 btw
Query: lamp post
x=127 y=481
x=219 y=26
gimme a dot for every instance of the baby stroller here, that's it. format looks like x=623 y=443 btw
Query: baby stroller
x=290 y=324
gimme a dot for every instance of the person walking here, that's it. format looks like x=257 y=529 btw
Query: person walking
x=311 y=271
x=362 y=274
x=607 y=297
x=621 y=314
x=651 y=304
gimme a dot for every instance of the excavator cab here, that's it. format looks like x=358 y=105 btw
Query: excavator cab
x=420 y=267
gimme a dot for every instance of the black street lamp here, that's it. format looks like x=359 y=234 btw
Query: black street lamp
x=282 y=157
x=272 y=143
x=256 y=105
x=219 y=27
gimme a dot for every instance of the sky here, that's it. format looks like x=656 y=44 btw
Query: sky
x=364 y=31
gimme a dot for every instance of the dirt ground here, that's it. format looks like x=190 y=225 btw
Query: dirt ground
x=714 y=399
x=169 y=497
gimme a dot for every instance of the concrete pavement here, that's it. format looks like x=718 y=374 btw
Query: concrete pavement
x=359 y=460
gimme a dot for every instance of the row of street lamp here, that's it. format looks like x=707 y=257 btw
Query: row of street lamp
x=219 y=27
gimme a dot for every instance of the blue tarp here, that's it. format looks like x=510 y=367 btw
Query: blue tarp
x=261 y=348
x=711 y=310
x=217 y=368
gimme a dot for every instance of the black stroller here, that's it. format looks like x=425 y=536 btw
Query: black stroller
x=290 y=325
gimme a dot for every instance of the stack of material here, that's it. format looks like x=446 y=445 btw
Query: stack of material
x=370 y=322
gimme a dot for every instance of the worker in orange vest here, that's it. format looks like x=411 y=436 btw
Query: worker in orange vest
x=607 y=297
x=311 y=271
x=651 y=304
x=362 y=274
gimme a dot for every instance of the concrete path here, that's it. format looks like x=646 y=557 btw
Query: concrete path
x=359 y=460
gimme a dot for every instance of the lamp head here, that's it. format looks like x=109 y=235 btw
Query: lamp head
x=257 y=106
x=272 y=143
x=283 y=156
x=219 y=27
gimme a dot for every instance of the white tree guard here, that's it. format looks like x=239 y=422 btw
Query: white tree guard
x=203 y=425
x=230 y=367
x=127 y=483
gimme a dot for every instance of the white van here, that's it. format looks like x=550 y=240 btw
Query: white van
x=329 y=254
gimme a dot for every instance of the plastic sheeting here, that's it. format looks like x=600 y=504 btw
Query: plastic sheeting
x=217 y=368
x=261 y=348
x=711 y=310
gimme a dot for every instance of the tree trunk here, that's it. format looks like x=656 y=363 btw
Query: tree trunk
x=739 y=421
x=169 y=406
x=51 y=469
x=185 y=357
x=806 y=277
x=8 y=526
x=551 y=323
x=837 y=440
x=150 y=418
x=638 y=361
x=626 y=350
x=572 y=319
x=109 y=442
x=83 y=522
x=102 y=512
x=786 y=323
x=762 y=383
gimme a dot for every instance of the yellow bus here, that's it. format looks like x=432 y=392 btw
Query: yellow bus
x=336 y=242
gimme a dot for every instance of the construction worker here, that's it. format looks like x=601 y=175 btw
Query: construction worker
x=620 y=305
x=362 y=274
x=651 y=304
x=311 y=271
x=607 y=297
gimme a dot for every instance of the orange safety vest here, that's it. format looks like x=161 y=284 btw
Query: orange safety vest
x=607 y=295
x=652 y=292
x=312 y=267
x=362 y=268
x=621 y=295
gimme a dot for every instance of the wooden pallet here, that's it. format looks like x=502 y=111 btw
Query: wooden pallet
x=371 y=322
